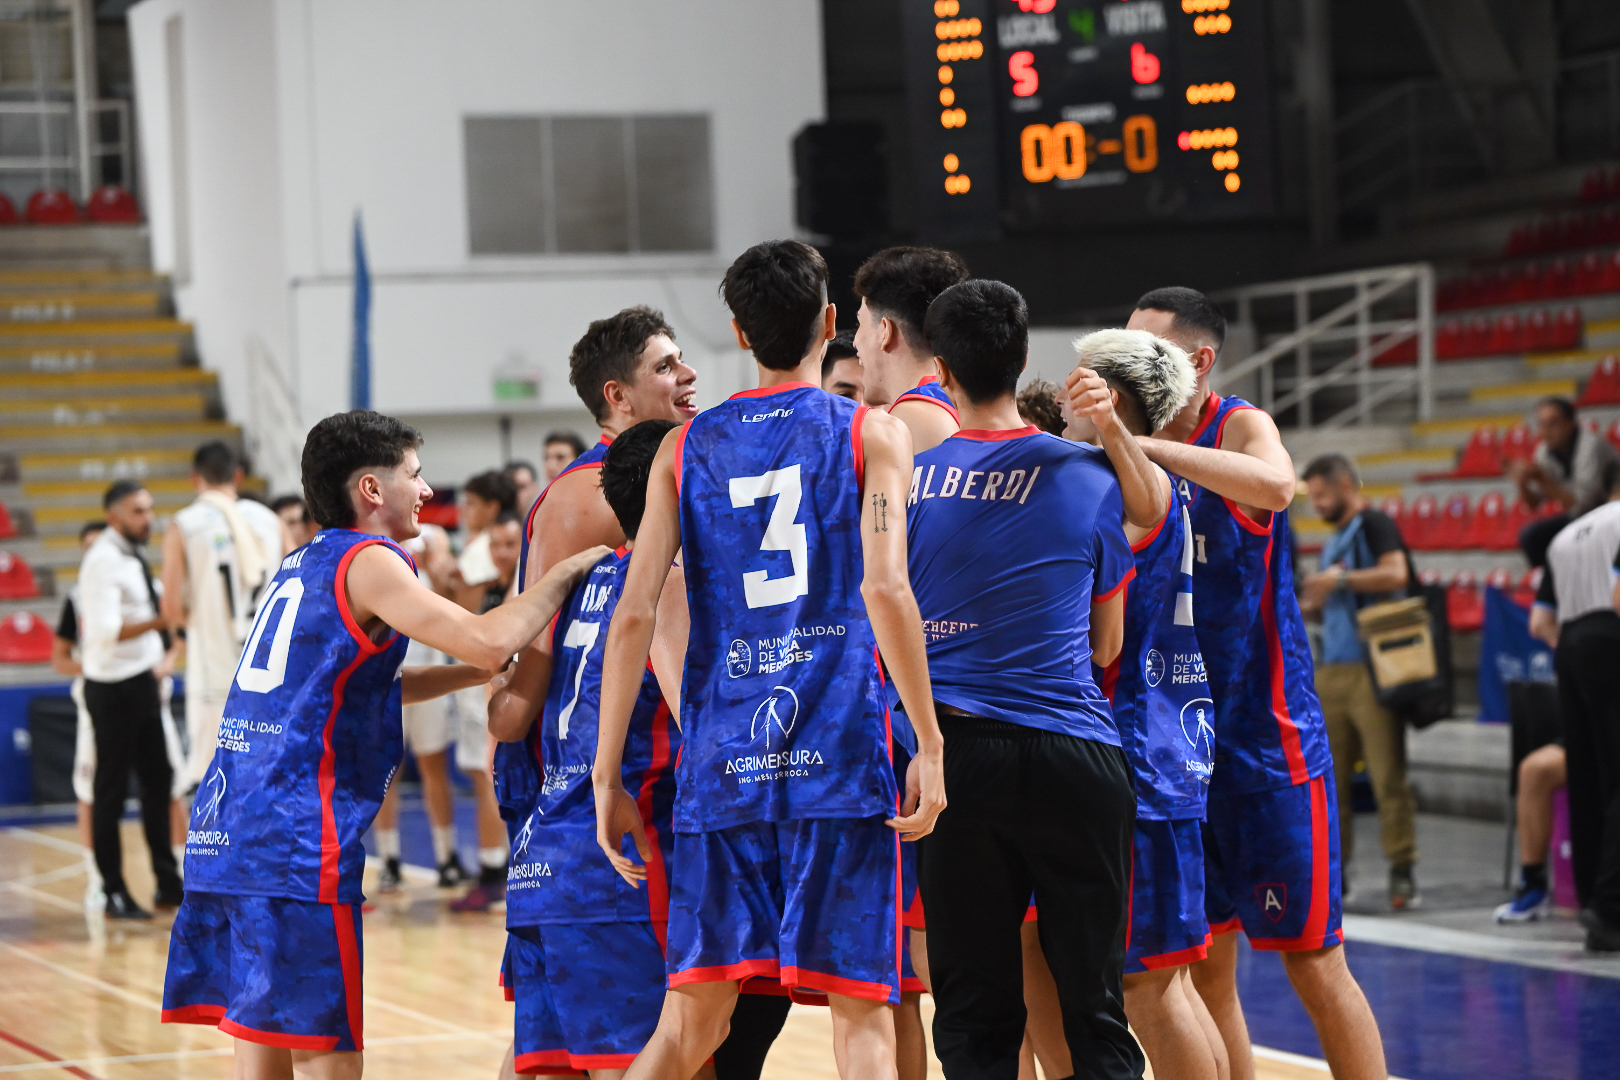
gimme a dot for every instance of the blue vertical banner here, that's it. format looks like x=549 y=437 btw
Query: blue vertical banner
x=1508 y=654
x=360 y=359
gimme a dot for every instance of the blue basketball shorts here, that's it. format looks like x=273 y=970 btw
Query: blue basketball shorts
x=588 y=994
x=1168 y=927
x=267 y=969
x=1271 y=866
x=813 y=902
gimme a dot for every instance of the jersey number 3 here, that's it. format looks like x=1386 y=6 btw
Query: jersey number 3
x=782 y=533
x=285 y=598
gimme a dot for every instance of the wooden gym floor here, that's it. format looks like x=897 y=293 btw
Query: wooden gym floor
x=81 y=997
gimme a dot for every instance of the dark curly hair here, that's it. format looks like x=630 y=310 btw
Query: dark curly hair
x=626 y=468
x=1038 y=404
x=608 y=351
x=341 y=446
x=777 y=292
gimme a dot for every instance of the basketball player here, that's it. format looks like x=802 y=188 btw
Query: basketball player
x=218 y=555
x=1020 y=564
x=841 y=371
x=1161 y=704
x=783 y=502
x=1271 y=845
x=580 y=926
x=267 y=943
x=896 y=286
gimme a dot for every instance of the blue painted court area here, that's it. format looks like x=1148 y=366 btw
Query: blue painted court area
x=1453 y=1018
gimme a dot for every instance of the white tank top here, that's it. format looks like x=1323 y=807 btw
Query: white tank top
x=220 y=605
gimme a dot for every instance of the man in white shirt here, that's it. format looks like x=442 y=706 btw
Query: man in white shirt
x=218 y=554
x=123 y=641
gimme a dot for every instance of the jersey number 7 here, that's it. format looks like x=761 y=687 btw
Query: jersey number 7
x=782 y=533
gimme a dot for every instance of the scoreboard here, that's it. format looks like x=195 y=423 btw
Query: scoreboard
x=1030 y=115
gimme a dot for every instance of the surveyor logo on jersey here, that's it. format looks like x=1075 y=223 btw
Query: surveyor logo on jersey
x=1273 y=898
x=216 y=794
x=520 y=842
x=781 y=709
x=739 y=659
x=1198 y=725
x=1155 y=667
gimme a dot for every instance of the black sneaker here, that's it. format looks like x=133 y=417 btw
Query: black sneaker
x=389 y=880
x=169 y=898
x=121 y=905
x=1600 y=936
x=451 y=872
x=1403 y=890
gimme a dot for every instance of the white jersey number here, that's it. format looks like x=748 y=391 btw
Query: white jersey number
x=782 y=533
x=262 y=680
x=582 y=636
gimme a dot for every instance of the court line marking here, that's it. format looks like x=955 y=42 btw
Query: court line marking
x=49 y=898
x=44 y=877
x=1548 y=955
x=51 y=1060
x=62 y=969
x=227 y=1051
x=1283 y=1057
x=45 y=840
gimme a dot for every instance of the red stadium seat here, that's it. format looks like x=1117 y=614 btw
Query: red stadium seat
x=8 y=527
x=1483 y=454
x=1456 y=524
x=1525 y=591
x=113 y=204
x=1465 y=603
x=1448 y=340
x=25 y=639
x=1490 y=524
x=1509 y=334
x=1588 y=275
x=1539 y=332
x=1530 y=283
x=1476 y=337
x=1559 y=281
x=1500 y=579
x=8 y=210
x=1520 y=443
x=1448 y=295
x=16 y=578
x=1603 y=388
x=1567 y=330
x=1611 y=274
x=1422 y=521
x=1402 y=352
x=1395 y=508
x=52 y=206
x=1431 y=577
x=1614 y=434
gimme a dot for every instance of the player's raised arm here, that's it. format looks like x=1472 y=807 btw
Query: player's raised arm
x=381 y=585
x=436 y=680
x=670 y=638
x=629 y=645
x=896 y=620
x=518 y=693
x=1144 y=485
x=1252 y=468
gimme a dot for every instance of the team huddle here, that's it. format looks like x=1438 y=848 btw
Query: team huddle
x=836 y=696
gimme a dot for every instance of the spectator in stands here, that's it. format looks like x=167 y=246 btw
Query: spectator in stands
x=841 y=371
x=1542 y=772
x=1568 y=468
x=484 y=499
x=124 y=643
x=295 y=516
x=525 y=481
x=562 y=447
x=1038 y=405
x=1576 y=612
x=1366 y=562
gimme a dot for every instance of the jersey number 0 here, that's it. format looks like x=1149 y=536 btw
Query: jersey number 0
x=782 y=533
x=261 y=680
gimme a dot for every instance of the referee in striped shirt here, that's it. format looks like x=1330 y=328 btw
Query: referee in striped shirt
x=1578 y=612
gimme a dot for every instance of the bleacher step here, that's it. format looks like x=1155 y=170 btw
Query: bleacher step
x=116 y=438
x=19 y=359
x=104 y=468
x=47 y=306
x=129 y=383
x=100 y=410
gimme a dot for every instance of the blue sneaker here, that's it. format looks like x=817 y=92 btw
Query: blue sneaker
x=1527 y=905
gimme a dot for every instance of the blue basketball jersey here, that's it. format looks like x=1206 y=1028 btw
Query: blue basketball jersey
x=929 y=390
x=1013 y=535
x=557 y=873
x=1270 y=732
x=590 y=459
x=782 y=703
x=310 y=741
x=1157 y=684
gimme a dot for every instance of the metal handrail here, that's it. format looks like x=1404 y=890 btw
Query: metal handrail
x=274 y=433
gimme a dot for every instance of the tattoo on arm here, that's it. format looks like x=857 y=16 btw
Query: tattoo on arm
x=880 y=513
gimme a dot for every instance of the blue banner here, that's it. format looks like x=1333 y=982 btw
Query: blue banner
x=1508 y=654
x=360 y=358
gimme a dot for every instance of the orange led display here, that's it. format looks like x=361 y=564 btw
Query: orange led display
x=1141 y=143
x=1212 y=24
x=960 y=50
x=958 y=28
x=1057 y=151
x=1192 y=7
x=1203 y=93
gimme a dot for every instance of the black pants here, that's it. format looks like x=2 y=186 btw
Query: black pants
x=1589 y=701
x=755 y=1023
x=128 y=718
x=1030 y=811
x=1534 y=537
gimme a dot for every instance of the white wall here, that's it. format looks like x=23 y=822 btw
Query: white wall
x=303 y=112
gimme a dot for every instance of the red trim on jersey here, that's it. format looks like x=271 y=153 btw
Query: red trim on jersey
x=1111 y=673
x=331 y=846
x=680 y=456
x=1147 y=541
x=916 y=918
x=1210 y=410
x=1238 y=512
x=276 y=1038
x=657 y=874
x=601 y=1061
x=194 y=1014
x=767 y=391
x=911 y=395
x=911 y=984
x=1111 y=593
x=727 y=972
x=1287 y=728
x=546 y=1063
x=1230 y=926
x=621 y=551
x=857 y=439
x=1032 y=914
x=837 y=984
x=528 y=525
x=1130 y=895
x=1178 y=958
x=340 y=585
x=1316 y=935
x=349 y=953
x=1000 y=435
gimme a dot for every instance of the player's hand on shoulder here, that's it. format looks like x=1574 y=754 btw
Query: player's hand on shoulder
x=617 y=814
x=925 y=794
x=575 y=567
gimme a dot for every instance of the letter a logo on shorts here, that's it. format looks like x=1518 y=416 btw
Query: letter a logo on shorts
x=1273 y=900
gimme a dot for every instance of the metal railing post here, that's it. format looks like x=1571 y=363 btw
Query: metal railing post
x=1425 y=318
x=1364 y=363
x=1302 y=354
x=84 y=94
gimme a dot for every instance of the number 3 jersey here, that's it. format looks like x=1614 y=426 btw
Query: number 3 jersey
x=782 y=700
x=1157 y=684
x=309 y=743
x=558 y=874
